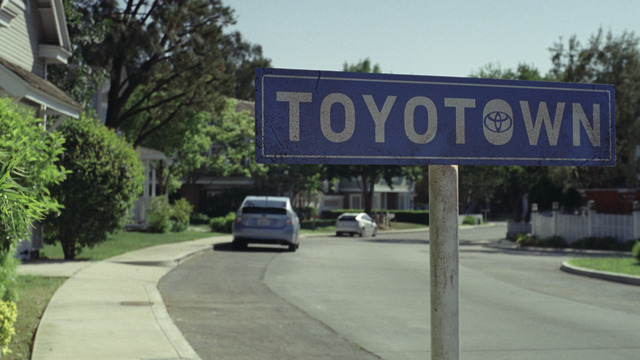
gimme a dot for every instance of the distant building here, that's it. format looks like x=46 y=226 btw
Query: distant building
x=347 y=194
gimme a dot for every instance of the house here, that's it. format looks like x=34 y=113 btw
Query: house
x=347 y=194
x=33 y=34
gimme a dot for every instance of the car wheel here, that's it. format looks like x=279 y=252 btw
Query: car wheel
x=338 y=234
x=293 y=247
x=375 y=232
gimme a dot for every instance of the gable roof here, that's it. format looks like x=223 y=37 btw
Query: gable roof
x=27 y=87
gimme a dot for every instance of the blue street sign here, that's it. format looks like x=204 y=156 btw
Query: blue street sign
x=324 y=117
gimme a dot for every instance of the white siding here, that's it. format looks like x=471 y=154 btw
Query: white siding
x=19 y=42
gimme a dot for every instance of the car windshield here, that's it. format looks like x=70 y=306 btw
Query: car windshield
x=263 y=210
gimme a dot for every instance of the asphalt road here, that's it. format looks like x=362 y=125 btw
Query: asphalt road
x=351 y=298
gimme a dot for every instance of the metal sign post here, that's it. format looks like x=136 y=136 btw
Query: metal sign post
x=443 y=244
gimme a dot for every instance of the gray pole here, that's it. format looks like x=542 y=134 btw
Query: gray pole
x=443 y=238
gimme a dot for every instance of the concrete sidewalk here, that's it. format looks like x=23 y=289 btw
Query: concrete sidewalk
x=112 y=309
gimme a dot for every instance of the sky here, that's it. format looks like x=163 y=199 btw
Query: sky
x=440 y=38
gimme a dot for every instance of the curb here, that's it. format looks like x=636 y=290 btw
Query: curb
x=603 y=275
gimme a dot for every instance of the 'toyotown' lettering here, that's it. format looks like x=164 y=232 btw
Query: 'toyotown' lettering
x=498 y=118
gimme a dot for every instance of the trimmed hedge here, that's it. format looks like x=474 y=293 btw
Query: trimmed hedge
x=223 y=224
x=636 y=251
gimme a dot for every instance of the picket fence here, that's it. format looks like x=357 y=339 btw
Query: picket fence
x=589 y=223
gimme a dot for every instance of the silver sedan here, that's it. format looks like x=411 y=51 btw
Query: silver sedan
x=356 y=223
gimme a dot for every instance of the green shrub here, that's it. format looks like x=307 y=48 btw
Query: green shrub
x=525 y=239
x=318 y=223
x=8 y=316
x=552 y=241
x=29 y=157
x=98 y=195
x=180 y=211
x=602 y=243
x=223 y=224
x=200 y=219
x=469 y=220
x=309 y=212
x=636 y=251
x=159 y=215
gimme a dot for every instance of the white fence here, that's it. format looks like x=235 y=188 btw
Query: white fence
x=589 y=224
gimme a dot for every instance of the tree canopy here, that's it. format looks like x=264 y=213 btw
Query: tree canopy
x=367 y=175
x=612 y=60
x=164 y=60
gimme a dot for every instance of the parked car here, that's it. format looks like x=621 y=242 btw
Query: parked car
x=266 y=220
x=356 y=223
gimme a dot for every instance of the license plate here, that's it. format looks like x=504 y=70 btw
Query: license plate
x=263 y=221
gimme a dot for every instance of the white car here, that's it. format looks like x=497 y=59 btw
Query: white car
x=266 y=220
x=356 y=223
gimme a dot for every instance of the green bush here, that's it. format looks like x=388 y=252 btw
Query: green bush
x=200 y=219
x=552 y=241
x=29 y=158
x=318 y=223
x=98 y=195
x=469 y=220
x=8 y=316
x=636 y=251
x=159 y=215
x=525 y=239
x=180 y=211
x=223 y=224
x=309 y=212
x=602 y=243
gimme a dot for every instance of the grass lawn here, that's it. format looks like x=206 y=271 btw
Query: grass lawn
x=34 y=294
x=620 y=265
x=126 y=241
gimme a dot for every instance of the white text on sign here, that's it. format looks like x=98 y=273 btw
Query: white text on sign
x=498 y=118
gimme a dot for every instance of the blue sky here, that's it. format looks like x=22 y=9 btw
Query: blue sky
x=444 y=38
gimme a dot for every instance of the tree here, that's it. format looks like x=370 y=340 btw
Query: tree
x=367 y=175
x=512 y=183
x=611 y=60
x=106 y=178
x=242 y=59
x=165 y=54
x=163 y=59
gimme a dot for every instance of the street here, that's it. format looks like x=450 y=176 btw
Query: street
x=352 y=298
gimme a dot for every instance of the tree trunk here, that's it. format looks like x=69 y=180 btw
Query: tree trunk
x=69 y=248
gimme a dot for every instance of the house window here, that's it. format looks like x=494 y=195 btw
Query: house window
x=6 y=13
